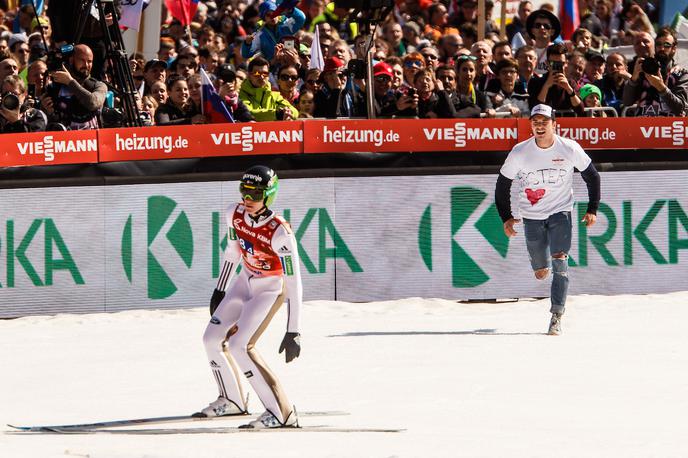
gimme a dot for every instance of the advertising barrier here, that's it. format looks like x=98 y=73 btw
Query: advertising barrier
x=49 y=148
x=112 y=248
x=454 y=136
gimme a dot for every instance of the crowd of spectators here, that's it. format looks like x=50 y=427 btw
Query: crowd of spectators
x=428 y=63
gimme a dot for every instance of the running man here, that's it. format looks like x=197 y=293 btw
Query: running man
x=263 y=243
x=543 y=166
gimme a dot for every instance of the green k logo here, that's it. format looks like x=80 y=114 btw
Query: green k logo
x=179 y=236
x=466 y=273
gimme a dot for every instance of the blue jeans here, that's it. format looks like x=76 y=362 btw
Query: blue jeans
x=545 y=238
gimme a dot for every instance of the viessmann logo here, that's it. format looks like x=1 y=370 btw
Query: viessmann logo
x=460 y=133
x=166 y=224
x=466 y=272
x=247 y=137
x=677 y=132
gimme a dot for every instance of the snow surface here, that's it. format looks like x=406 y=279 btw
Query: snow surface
x=464 y=380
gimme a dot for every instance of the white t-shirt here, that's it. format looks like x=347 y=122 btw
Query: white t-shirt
x=544 y=175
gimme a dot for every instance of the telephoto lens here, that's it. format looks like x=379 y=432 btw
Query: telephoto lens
x=10 y=101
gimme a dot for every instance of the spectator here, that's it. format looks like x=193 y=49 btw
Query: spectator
x=184 y=66
x=518 y=23
x=591 y=97
x=527 y=60
x=275 y=26
x=581 y=40
x=467 y=13
x=208 y=59
x=575 y=70
x=256 y=93
x=553 y=88
x=195 y=86
x=602 y=22
x=74 y=98
x=636 y=21
x=438 y=23
x=446 y=75
x=176 y=110
x=398 y=70
x=159 y=92
x=305 y=104
x=304 y=56
x=614 y=80
x=643 y=46
x=336 y=97
x=411 y=36
x=226 y=79
x=506 y=95
x=482 y=52
x=543 y=27
x=19 y=47
x=664 y=92
x=287 y=81
x=469 y=34
x=501 y=50
x=167 y=52
x=311 y=80
x=149 y=106
x=469 y=102
x=36 y=75
x=384 y=98
x=341 y=50
x=8 y=66
x=154 y=70
x=42 y=25
x=449 y=47
x=15 y=115
x=433 y=101
x=413 y=63
x=393 y=36
x=594 y=67
x=431 y=56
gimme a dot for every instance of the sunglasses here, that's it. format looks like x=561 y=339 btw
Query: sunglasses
x=542 y=25
x=288 y=77
x=312 y=82
x=341 y=75
x=382 y=78
x=186 y=65
x=262 y=74
x=413 y=63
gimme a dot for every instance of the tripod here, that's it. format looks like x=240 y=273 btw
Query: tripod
x=122 y=81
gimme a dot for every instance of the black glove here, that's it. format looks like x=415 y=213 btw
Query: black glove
x=291 y=343
x=215 y=300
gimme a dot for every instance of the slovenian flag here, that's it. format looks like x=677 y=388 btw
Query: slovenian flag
x=211 y=103
x=182 y=10
x=569 y=17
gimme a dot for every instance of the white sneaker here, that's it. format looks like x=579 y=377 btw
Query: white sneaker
x=221 y=407
x=268 y=420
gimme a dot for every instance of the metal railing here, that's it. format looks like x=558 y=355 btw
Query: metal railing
x=590 y=110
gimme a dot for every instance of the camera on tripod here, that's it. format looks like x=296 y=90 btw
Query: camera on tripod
x=59 y=57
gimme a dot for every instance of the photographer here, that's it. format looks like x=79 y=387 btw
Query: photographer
x=657 y=85
x=16 y=116
x=335 y=99
x=553 y=88
x=74 y=98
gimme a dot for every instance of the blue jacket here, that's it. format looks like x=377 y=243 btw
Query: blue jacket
x=266 y=39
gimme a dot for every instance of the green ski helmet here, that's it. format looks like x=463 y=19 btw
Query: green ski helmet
x=259 y=183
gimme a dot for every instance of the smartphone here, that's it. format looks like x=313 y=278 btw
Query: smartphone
x=557 y=67
x=290 y=42
x=411 y=92
x=31 y=91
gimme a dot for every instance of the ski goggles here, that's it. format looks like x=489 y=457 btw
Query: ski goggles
x=250 y=192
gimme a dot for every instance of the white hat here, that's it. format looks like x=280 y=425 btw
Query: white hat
x=542 y=109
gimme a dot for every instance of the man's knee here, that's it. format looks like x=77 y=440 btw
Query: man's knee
x=560 y=264
x=541 y=274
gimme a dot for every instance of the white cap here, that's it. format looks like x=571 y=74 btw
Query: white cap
x=542 y=109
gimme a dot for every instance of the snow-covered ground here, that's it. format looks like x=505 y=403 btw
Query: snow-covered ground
x=468 y=380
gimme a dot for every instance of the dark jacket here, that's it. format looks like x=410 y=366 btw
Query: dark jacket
x=673 y=102
x=439 y=103
x=168 y=114
x=612 y=96
x=339 y=103
x=556 y=97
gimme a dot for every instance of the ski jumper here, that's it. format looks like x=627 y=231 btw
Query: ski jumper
x=267 y=252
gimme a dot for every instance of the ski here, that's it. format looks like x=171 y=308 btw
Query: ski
x=158 y=421
x=213 y=430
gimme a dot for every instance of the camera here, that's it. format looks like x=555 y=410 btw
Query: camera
x=279 y=114
x=57 y=58
x=556 y=67
x=411 y=92
x=650 y=65
x=357 y=68
x=10 y=101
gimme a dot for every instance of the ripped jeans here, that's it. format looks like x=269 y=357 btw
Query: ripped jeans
x=544 y=239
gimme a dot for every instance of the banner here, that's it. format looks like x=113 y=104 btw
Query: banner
x=202 y=140
x=411 y=135
x=49 y=148
x=110 y=248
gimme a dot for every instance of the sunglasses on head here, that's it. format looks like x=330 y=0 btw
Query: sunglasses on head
x=413 y=63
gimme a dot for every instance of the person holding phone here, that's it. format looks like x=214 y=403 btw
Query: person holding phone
x=278 y=21
x=553 y=88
